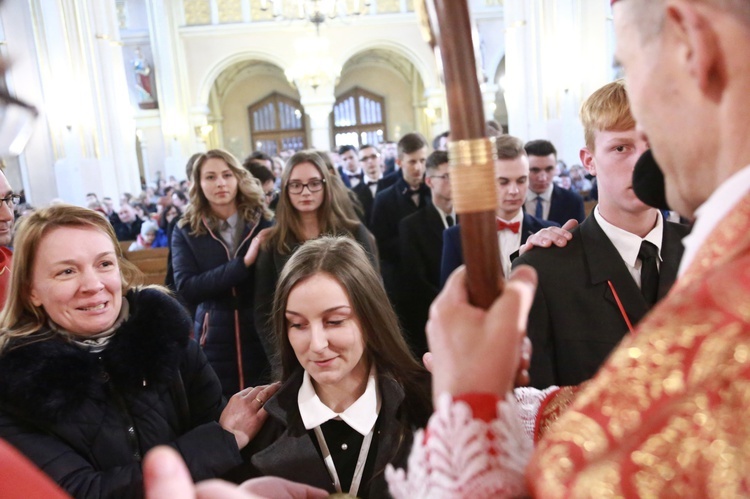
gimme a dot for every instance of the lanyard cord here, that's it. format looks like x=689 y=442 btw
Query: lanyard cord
x=619 y=305
x=359 y=468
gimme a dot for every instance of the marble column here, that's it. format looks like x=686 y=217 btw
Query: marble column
x=557 y=53
x=86 y=105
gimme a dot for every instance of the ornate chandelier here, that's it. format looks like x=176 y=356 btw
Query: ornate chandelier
x=314 y=11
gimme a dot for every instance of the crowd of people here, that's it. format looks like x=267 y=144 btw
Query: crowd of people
x=291 y=342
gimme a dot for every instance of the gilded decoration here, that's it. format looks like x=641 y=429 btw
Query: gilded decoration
x=230 y=11
x=663 y=417
x=552 y=407
x=197 y=12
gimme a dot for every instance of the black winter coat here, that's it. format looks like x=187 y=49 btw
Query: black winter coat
x=87 y=419
x=222 y=289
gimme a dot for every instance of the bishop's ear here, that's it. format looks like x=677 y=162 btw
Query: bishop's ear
x=692 y=28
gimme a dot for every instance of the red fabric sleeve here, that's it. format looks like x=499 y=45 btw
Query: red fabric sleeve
x=20 y=479
x=483 y=405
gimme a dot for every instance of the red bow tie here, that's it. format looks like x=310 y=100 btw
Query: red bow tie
x=513 y=227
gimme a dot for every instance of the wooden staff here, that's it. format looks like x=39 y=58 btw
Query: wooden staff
x=471 y=154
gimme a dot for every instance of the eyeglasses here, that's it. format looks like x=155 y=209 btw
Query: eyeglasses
x=444 y=176
x=271 y=193
x=313 y=185
x=11 y=200
x=16 y=120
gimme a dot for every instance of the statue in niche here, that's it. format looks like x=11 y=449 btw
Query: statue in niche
x=144 y=82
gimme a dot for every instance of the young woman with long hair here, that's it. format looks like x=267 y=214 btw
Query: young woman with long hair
x=214 y=248
x=311 y=205
x=352 y=394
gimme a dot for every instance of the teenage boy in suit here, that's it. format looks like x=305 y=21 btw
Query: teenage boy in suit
x=619 y=261
x=544 y=199
x=513 y=225
x=421 y=243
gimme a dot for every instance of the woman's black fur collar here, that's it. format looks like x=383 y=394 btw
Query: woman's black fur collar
x=52 y=377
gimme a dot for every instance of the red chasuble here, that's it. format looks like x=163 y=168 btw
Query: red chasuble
x=666 y=415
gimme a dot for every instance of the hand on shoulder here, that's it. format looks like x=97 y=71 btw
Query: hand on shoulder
x=558 y=236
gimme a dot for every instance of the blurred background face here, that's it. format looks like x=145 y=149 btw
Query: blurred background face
x=413 y=166
x=371 y=162
x=268 y=191
x=218 y=183
x=171 y=214
x=127 y=213
x=6 y=212
x=390 y=150
x=76 y=279
x=512 y=183
x=306 y=201
x=177 y=201
x=350 y=161
x=440 y=183
x=542 y=169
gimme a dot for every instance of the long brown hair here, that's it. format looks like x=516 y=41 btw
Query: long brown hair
x=333 y=214
x=249 y=200
x=346 y=261
x=20 y=317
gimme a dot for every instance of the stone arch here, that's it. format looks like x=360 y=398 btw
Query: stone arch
x=426 y=71
x=210 y=77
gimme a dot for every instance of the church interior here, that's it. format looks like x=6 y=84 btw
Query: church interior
x=128 y=90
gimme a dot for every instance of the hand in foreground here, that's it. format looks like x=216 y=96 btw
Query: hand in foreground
x=475 y=350
x=166 y=476
x=244 y=414
x=559 y=236
x=252 y=251
x=522 y=375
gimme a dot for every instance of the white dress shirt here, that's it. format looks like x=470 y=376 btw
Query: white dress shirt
x=373 y=187
x=628 y=244
x=443 y=216
x=546 y=196
x=509 y=242
x=360 y=416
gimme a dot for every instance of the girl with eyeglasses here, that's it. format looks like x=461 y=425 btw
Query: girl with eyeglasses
x=311 y=204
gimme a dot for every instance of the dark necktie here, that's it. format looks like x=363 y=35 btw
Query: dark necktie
x=648 y=255
x=513 y=227
x=449 y=220
x=539 y=211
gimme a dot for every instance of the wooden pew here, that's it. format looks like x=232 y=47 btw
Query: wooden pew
x=588 y=206
x=152 y=262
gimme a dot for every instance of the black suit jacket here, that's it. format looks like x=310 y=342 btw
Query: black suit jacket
x=391 y=206
x=389 y=179
x=565 y=205
x=366 y=199
x=453 y=256
x=421 y=244
x=575 y=321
